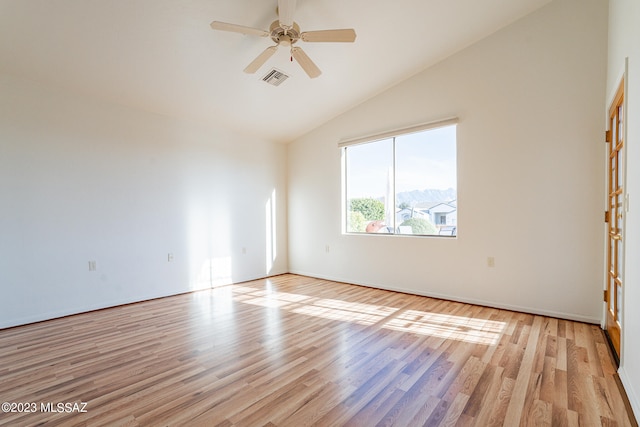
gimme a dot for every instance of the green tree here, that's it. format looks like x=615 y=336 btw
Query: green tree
x=420 y=226
x=404 y=205
x=356 y=222
x=371 y=209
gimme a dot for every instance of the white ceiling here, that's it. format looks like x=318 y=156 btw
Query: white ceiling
x=162 y=56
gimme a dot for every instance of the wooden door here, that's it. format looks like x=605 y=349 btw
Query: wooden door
x=614 y=216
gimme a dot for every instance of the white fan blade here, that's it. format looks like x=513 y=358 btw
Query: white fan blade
x=305 y=62
x=346 y=36
x=260 y=60
x=223 y=26
x=285 y=12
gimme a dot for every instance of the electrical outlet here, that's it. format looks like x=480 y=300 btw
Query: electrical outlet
x=169 y=257
x=244 y=251
x=326 y=249
x=92 y=266
x=491 y=261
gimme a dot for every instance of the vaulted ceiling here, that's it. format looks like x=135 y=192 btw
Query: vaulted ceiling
x=162 y=56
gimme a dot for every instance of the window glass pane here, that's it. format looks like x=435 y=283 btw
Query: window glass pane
x=369 y=187
x=426 y=183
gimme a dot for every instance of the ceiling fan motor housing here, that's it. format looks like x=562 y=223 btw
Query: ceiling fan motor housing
x=284 y=36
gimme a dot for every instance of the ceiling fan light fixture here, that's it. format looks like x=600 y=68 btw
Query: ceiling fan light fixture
x=285 y=40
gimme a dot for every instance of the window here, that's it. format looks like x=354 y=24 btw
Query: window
x=404 y=183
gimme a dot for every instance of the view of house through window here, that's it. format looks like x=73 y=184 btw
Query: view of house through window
x=404 y=184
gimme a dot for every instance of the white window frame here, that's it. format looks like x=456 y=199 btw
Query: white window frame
x=348 y=142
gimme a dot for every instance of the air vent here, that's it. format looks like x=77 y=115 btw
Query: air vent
x=275 y=77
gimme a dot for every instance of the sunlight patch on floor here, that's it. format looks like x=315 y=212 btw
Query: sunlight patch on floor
x=460 y=328
x=266 y=298
x=468 y=329
x=362 y=314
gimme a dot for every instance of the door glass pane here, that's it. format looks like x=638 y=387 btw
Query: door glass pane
x=614 y=175
x=611 y=255
x=369 y=186
x=618 y=172
x=610 y=288
x=618 y=258
x=618 y=301
x=619 y=216
x=614 y=259
x=619 y=125
x=614 y=213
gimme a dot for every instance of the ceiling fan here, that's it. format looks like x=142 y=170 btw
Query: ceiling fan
x=285 y=32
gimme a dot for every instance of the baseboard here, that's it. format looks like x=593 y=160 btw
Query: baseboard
x=457 y=298
x=632 y=394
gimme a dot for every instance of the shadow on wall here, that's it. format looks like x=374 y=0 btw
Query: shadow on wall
x=211 y=237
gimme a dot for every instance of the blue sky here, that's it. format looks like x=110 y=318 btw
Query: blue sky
x=424 y=160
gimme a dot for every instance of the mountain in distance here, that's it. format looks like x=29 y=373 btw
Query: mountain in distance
x=415 y=197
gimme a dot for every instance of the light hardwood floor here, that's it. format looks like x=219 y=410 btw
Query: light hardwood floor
x=296 y=351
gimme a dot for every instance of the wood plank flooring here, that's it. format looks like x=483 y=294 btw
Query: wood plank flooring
x=297 y=351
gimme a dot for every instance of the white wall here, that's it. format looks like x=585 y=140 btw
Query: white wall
x=83 y=180
x=624 y=42
x=529 y=99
